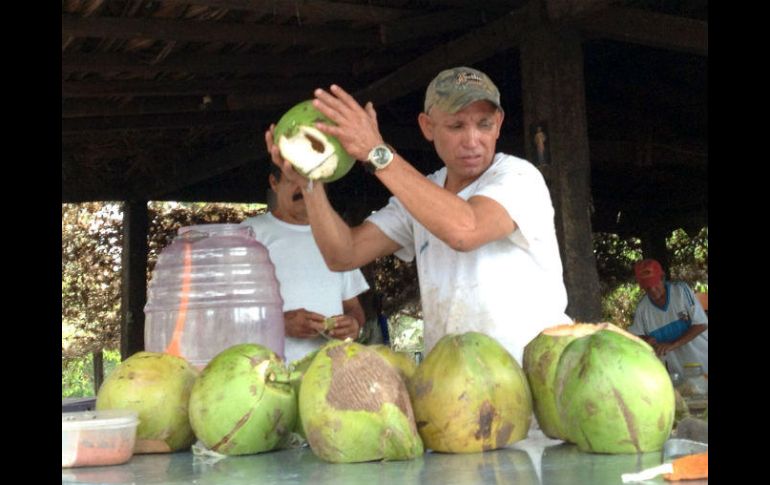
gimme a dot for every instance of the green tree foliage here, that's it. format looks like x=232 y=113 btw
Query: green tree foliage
x=91 y=249
x=77 y=375
x=689 y=258
x=397 y=282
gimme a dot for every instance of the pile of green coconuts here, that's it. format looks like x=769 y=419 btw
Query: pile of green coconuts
x=594 y=385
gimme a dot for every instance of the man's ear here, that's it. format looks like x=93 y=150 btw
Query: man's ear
x=499 y=124
x=426 y=126
x=272 y=181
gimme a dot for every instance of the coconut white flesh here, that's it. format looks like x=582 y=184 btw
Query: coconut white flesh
x=310 y=152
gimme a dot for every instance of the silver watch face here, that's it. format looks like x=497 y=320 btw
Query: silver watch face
x=381 y=155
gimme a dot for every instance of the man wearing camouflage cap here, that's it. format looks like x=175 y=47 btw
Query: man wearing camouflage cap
x=481 y=227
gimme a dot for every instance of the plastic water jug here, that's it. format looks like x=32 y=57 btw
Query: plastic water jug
x=213 y=287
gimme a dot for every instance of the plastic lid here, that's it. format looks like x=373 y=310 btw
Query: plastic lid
x=108 y=418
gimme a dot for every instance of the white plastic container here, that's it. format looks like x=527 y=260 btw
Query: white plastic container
x=213 y=287
x=98 y=438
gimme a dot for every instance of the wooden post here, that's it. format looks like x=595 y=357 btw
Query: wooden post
x=654 y=246
x=134 y=278
x=98 y=358
x=553 y=96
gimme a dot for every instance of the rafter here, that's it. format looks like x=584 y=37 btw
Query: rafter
x=203 y=63
x=206 y=167
x=159 y=121
x=227 y=32
x=141 y=87
x=306 y=10
x=648 y=28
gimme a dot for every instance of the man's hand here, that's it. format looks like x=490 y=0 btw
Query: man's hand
x=301 y=323
x=662 y=348
x=356 y=127
x=345 y=326
x=648 y=339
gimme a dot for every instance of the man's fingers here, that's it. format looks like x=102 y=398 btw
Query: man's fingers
x=328 y=104
x=343 y=95
x=371 y=112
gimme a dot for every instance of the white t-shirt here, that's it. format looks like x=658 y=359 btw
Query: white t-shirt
x=305 y=280
x=666 y=324
x=510 y=289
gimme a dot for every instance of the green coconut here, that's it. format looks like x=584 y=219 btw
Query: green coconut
x=470 y=395
x=613 y=394
x=297 y=370
x=355 y=407
x=402 y=361
x=158 y=387
x=243 y=402
x=541 y=357
x=313 y=154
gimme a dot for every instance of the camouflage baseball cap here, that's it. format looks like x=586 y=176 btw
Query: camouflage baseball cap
x=455 y=88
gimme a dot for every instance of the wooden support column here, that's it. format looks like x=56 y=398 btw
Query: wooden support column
x=654 y=246
x=134 y=278
x=553 y=96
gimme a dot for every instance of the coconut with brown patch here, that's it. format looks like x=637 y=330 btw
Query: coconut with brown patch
x=243 y=402
x=470 y=395
x=355 y=407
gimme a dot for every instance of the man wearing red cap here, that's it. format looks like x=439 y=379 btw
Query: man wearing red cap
x=670 y=318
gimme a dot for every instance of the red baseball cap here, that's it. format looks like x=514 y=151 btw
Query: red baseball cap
x=648 y=273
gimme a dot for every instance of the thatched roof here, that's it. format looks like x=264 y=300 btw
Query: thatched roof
x=170 y=99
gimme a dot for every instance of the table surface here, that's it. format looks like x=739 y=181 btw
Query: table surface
x=537 y=460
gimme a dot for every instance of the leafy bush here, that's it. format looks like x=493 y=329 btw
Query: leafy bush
x=77 y=374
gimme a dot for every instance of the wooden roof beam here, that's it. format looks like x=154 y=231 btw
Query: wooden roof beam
x=648 y=28
x=75 y=108
x=429 y=25
x=206 y=167
x=101 y=89
x=202 y=31
x=159 y=121
x=204 y=63
x=305 y=11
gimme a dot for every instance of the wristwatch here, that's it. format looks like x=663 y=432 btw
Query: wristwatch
x=379 y=157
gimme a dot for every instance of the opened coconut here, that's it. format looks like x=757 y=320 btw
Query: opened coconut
x=243 y=402
x=158 y=387
x=609 y=391
x=470 y=395
x=313 y=154
x=541 y=357
x=355 y=407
